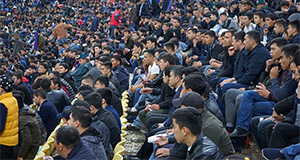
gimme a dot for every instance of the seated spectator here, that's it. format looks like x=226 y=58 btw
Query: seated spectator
x=120 y=71
x=46 y=110
x=17 y=77
x=81 y=70
x=81 y=118
x=293 y=31
x=66 y=75
x=69 y=146
x=42 y=70
x=106 y=70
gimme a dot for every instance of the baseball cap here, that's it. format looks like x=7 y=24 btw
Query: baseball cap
x=260 y=2
x=65 y=113
x=82 y=56
x=191 y=99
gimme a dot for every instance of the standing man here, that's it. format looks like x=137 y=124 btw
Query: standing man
x=115 y=21
x=8 y=118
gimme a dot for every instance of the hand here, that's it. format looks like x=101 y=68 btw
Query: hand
x=268 y=64
x=266 y=31
x=188 y=61
x=195 y=57
x=162 y=152
x=132 y=89
x=231 y=51
x=209 y=72
x=262 y=91
x=242 y=89
x=274 y=72
x=215 y=64
x=197 y=64
x=139 y=71
x=147 y=109
x=20 y=158
x=277 y=118
x=161 y=141
x=145 y=82
x=126 y=50
x=225 y=81
x=160 y=125
x=154 y=107
x=146 y=90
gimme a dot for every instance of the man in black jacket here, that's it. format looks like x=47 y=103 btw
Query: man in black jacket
x=17 y=77
x=94 y=99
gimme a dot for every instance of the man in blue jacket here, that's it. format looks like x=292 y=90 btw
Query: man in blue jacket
x=81 y=70
x=121 y=72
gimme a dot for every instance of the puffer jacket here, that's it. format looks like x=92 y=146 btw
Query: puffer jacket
x=91 y=138
x=122 y=75
x=203 y=148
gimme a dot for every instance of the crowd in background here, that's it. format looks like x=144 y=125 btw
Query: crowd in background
x=202 y=75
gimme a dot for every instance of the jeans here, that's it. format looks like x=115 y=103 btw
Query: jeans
x=221 y=91
x=233 y=99
x=284 y=134
x=258 y=127
x=252 y=104
x=138 y=123
x=112 y=28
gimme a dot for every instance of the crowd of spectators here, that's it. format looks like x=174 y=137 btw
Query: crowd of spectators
x=202 y=76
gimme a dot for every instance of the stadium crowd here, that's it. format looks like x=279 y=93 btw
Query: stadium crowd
x=202 y=75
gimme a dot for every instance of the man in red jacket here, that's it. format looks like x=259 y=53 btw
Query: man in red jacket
x=115 y=21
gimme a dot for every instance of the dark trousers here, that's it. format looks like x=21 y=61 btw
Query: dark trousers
x=6 y=152
x=284 y=135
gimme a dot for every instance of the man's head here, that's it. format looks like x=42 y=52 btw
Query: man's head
x=94 y=99
x=176 y=22
x=223 y=17
x=82 y=59
x=247 y=18
x=106 y=95
x=39 y=96
x=187 y=122
x=210 y=37
x=80 y=117
x=166 y=74
x=116 y=61
x=275 y=45
x=295 y=66
x=169 y=47
x=270 y=19
x=191 y=34
x=55 y=83
x=238 y=40
x=149 y=56
x=166 y=60
x=64 y=67
x=227 y=42
x=105 y=68
x=45 y=84
x=175 y=76
x=101 y=82
x=87 y=80
x=293 y=28
x=43 y=68
x=189 y=84
x=287 y=53
x=17 y=77
x=259 y=17
x=66 y=138
x=252 y=38
x=137 y=47
x=151 y=42
x=279 y=26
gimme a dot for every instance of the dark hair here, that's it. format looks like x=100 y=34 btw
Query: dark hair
x=281 y=22
x=45 y=65
x=284 y=3
x=260 y=14
x=45 y=84
x=210 y=33
x=94 y=99
x=19 y=95
x=65 y=65
x=177 y=70
x=55 y=81
x=296 y=58
x=272 y=16
x=254 y=35
x=55 y=73
x=107 y=65
x=103 y=80
x=295 y=24
x=117 y=58
x=167 y=70
x=18 y=74
x=289 y=49
x=150 y=52
x=240 y=35
x=83 y=115
x=189 y=82
x=214 y=13
x=68 y=136
x=106 y=93
x=175 y=41
x=88 y=78
x=280 y=41
x=139 y=45
x=168 y=58
x=177 y=18
x=189 y=69
x=82 y=103
x=40 y=93
x=249 y=14
x=188 y=117
x=152 y=39
x=170 y=45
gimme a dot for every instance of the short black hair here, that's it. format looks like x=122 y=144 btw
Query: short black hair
x=94 y=99
x=289 y=49
x=188 y=117
x=18 y=74
x=152 y=39
x=296 y=58
x=170 y=45
x=45 y=84
x=189 y=82
x=68 y=136
x=177 y=70
x=260 y=14
x=45 y=65
x=168 y=58
x=279 y=41
x=103 y=80
x=55 y=73
x=150 y=52
x=139 y=45
x=254 y=35
x=249 y=14
x=82 y=103
x=40 y=93
x=295 y=24
x=272 y=16
x=210 y=33
x=55 y=81
x=281 y=22
x=106 y=93
x=167 y=70
x=240 y=35
x=19 y=95
x=65 y=65
x=88 y=78
x=107 y=65
x=117 y=58
x=83 y=115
